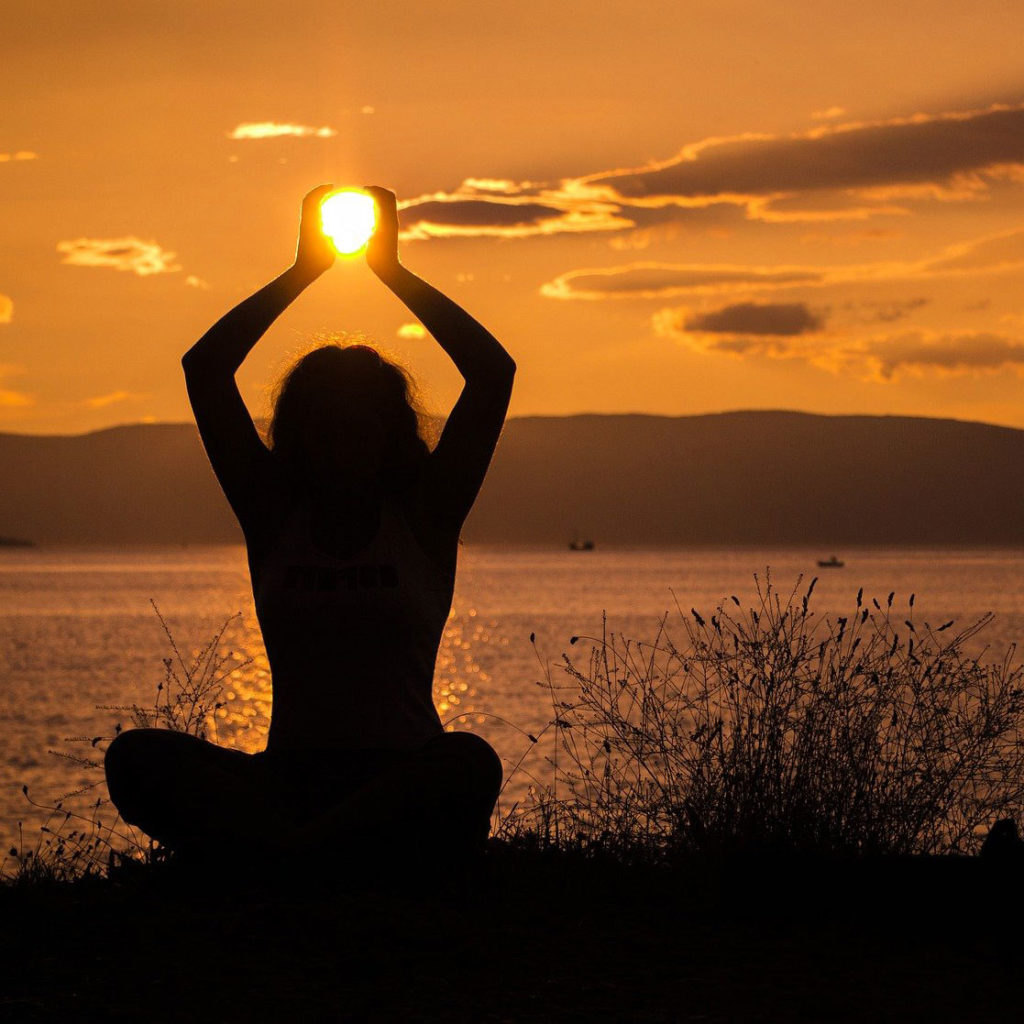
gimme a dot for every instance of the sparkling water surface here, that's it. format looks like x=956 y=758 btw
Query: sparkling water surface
x=79 y=636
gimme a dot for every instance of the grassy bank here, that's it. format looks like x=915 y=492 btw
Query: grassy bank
x=537 y=937
x=756 y=815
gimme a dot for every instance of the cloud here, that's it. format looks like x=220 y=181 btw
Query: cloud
x=10 y=399
x=927 y=151
x=133 y=254
x=999 y=253
x=412 y=331
x=273 y=130
x=21 y=154
x=828 y=114
x=112 y=398
x=6 y=309
x=880 y=358
x=15 y=399
x=885 y=312
x=834 y=172
x=780 y=318
x=660 y=280
x=504 y=209
x=966 y=352
x=196 y=282
x=743 y=329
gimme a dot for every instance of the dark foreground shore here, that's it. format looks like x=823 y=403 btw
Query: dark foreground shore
x=531 y=937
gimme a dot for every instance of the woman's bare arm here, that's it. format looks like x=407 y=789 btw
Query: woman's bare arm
x=460 y=461
x=237 y=454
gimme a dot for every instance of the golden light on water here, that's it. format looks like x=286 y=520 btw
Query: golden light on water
x=348 y=219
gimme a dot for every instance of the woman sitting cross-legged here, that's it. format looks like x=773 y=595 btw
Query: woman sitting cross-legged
x=352 y=526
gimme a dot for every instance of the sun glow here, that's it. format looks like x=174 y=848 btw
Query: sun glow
x=348 y=219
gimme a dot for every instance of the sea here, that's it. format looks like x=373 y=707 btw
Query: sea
x=88 y=634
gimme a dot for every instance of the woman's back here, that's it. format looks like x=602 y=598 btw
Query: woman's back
x=351 y=631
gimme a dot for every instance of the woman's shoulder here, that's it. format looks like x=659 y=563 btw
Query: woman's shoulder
x=272 y=514
x=436 y=539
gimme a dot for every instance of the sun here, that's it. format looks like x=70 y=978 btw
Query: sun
x=348 y=219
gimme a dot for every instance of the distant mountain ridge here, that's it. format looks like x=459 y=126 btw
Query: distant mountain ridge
x=727 y=478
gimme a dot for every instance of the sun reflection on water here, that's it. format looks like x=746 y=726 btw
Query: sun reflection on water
x=243 y=721
x=457 y=674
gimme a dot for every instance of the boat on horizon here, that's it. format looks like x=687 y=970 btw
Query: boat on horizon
x=579 y=543
x=830 y=563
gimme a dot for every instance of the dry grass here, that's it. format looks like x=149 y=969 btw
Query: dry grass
x=768 y=728
x=81 y=836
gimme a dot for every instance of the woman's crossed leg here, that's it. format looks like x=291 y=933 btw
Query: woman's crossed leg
x=188 y=793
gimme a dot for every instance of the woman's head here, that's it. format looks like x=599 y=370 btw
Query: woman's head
x=344 y=414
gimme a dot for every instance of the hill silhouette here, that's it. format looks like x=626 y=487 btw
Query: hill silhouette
x=729 y=478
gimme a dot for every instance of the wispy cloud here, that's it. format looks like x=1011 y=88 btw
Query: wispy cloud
x=884 y=312
x=196 y=282
x=829 y=113
x=113 y=398
x=21 y=154
x=276 y=130
x=644 y=280
x=998 y=253
x=10 y=399
x=15 y=399
x=132 y=254
x=505 y=209
x=6 y=309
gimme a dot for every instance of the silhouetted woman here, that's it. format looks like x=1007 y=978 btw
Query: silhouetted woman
x=352 y=525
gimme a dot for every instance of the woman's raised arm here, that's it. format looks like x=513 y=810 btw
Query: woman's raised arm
x=235 y=450
x=459 y=463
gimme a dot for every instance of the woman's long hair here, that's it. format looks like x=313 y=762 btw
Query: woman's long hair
x=342 y=404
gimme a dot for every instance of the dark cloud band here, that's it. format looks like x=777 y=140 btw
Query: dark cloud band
x=836 y=172
x=860 y=156
x=784 y=319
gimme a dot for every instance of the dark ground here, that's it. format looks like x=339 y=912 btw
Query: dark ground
x=534 y=938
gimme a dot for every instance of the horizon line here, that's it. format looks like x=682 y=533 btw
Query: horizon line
x=568 y=416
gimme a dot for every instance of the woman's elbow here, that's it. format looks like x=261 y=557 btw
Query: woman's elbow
x=198 y=361
x=189 y=359
x=503 y=376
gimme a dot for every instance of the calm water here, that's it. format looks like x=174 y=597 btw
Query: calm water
x=78 y=632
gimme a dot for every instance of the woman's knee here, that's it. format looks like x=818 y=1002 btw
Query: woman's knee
x=126 y=763
x=473 y=759
x=128 y=752
x=140 y=765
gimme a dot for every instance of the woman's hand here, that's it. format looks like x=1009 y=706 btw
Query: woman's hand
x=314 y=253
x=382 y=249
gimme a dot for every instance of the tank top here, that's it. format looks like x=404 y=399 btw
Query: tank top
x=352 y=640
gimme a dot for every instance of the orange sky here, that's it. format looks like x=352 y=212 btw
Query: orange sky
x=662 y=207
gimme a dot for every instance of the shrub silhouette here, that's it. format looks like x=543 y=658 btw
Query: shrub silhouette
x=768 y=728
